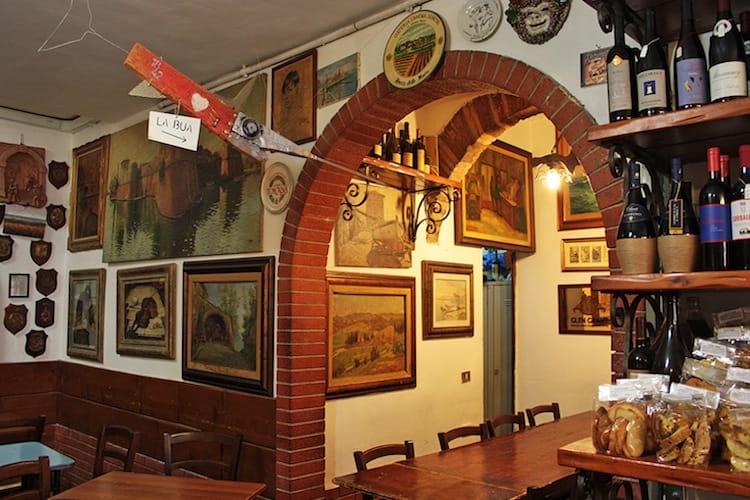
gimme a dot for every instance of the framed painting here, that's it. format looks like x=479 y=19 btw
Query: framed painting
x=228 y=322
x=594 y=67
x=164 y=202
x=87 y=195
x=447 y=300
x=86 y=313
x=583 y=311
x=145 y=311
x=294 y=94
x=338 y=80
x=371 y=334
x=497 y=206
x=584 y=254
x=576 y=204
x=18 y=285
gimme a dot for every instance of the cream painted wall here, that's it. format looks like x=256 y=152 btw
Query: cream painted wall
x=548 y=364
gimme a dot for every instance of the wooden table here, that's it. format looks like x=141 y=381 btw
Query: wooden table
x=502 y=467
x=718 y=477
x=31 y=451
x=131 y=486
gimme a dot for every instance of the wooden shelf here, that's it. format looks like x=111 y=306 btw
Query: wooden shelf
x=672 y=282
x=685 y=133
x=403 y=178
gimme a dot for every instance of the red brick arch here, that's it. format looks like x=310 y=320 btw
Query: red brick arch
x=301 y=357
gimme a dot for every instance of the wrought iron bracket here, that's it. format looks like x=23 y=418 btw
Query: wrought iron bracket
x=437 y=204
x=623 y=308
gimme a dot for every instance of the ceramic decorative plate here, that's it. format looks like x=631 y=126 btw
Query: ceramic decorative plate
x=276 y=187
x=414 y=49
x=480 y=19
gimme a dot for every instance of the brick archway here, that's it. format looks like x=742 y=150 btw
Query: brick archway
x=301 y=327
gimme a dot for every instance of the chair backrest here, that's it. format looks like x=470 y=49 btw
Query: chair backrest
x=467 y=430
x=362 y=458
x=552 y=408
x=212 y=454
x=560 y=489
x=505 y=419
x=34 y=476
x=119 y=443
x=16 y=430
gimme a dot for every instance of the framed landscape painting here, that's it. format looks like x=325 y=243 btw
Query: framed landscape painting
x=228 y=323
x=447 y=300
x=86 y=314
x=576 y=204
x=371 y=334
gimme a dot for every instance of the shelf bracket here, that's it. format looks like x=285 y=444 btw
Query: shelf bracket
x=355 y=196
x=437 y=204
x=623 y=309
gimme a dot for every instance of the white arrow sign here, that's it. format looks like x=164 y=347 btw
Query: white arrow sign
x=177 y=130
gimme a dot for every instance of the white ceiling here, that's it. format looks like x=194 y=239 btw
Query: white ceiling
x=80 y=81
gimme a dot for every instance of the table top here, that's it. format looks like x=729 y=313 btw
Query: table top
x=501 y=467
x=716 y=477
x=119 y=485
x=32 y=450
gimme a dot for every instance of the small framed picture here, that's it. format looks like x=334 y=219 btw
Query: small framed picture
x=18 y=286
x=293 y=98
x=86 y=314
x=594 y=67
x=582 y=310
x=584 y=254
x=447 y=300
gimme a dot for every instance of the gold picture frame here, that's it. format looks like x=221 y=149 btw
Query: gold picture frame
x=584 y=254
x=447 y=300
x=577 y=207
x=87 y=195
x=86 y=314
x=371 y=334
x=293 y=98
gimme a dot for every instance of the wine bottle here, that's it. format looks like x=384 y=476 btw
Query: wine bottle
x=636 y=233
x=724 y=171
x=639 y=357
x=620 y=73
x=407 y=149
x=678 y=243
x=669 y=347
x=652 y=86
x=726 y=56
x=696 y=322
x=715 y=217
x=392 y=148
x=420 y=153
x=740 y=212
x=745 y=32
x=377 y=149
x=691 y=77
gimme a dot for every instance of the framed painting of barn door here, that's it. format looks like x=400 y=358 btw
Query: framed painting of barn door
x=576 y=204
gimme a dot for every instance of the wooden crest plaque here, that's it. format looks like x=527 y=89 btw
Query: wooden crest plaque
x=6 y=248
x=15 y=317
x=46 y=281
x=40 y=251
x=36 y=343
x=55 y=216
x=44 y=313
x=58 y=173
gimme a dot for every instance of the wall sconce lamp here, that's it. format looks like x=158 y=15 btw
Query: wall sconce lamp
x=555 y=168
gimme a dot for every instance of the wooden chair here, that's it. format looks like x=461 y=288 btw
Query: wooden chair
x=505 y=419
x=467 y=430
x=362 y=458
x=16 y=430
x=561 y=489
x=119 y=443
x=552 y=408
x=33 y=478
x=212 y=454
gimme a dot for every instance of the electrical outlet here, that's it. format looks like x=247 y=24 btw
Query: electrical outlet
x=465 y=377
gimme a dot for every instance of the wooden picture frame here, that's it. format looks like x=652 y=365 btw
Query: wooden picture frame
x=583 y=311
x=87 y=195
x=497 y=205
x=584 y=254
x=228 y=323
x=293 y=98
x=577 y=207
x=371 y=334
x=145 y=311
x=18 y=285
x=86 y=313
x=447 y=300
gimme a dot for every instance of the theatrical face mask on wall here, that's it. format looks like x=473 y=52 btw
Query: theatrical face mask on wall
x=537 y=21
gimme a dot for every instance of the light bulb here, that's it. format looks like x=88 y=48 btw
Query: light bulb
x=552 y=179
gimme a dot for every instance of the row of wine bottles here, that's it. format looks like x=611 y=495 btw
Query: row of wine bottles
x=402 y=150
x=719 y=236
x=638 y=85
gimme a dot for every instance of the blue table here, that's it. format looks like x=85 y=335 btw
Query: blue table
x=32 y=450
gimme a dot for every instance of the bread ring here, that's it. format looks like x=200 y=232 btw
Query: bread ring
x=600 y=430
x=635 y=439
x=627 y=410
x=618 y=435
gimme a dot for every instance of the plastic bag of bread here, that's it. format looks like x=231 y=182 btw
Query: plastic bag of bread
x=704 y=373
x=684 y=425
x=723 y=352
x=734 y=425
x=620 y=424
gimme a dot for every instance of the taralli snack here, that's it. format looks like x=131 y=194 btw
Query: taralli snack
x=734 y=425
x=620 y=427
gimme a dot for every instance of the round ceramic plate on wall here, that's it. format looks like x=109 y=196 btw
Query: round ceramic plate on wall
x=414 y=50
x=276 y=187
x=480 y=18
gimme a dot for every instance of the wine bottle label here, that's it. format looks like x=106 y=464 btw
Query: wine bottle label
x=692 y=87
x=635 y=213
x=618 y=85
x=676 y=224
x=652 y=89
x=377 y=150
x=407 y=159
x=728 y=79
x=420 y=160
x=715 y=226
x=396 y=158
x=740 y=219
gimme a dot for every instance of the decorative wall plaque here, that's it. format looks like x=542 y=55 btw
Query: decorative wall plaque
x=40 y=251
x=25 y=175
x=44 y=312
x=56 y=216
x=6 y=248
x=15 y=317
x=414 y=50
x=537 y=21
x=36 y=343
x=58 y=173
x=46 y=281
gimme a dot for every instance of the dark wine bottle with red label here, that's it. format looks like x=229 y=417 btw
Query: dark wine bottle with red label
x=651 y=79
x=726 y=54
x=740 y=210
x=620 y=73
x=716 y=230
x=690 y=75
